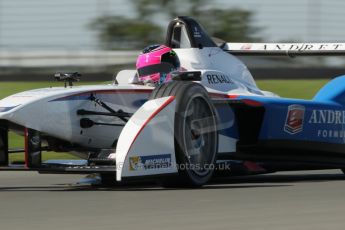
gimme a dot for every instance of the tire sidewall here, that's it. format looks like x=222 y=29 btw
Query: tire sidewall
x=184 y=96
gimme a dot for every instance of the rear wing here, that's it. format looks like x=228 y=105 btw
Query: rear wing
x=285 y=49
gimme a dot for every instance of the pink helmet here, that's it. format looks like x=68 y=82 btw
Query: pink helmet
x=155 y=64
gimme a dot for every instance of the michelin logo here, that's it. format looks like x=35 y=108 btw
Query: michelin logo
x=149 y=162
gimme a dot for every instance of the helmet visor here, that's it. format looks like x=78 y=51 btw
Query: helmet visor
x=163 y=67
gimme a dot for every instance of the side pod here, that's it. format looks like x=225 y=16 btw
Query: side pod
x=146 y=145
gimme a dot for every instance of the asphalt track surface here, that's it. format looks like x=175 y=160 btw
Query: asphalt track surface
x=290 y=200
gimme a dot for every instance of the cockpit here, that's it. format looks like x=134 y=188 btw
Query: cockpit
x=184 y=33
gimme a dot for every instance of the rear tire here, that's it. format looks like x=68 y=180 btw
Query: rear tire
x=196 y=137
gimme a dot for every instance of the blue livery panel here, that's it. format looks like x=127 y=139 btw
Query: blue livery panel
x=333 y=91
x=273 y=128
x=226 y=124
x=304 y=121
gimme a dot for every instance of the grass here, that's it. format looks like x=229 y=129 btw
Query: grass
x=305 y=89
x=19 y=157
x=8 y=88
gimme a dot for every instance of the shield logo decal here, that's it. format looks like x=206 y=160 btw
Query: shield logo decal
x=294 y=119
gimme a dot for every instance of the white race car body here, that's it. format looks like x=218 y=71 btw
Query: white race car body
x=120 y=116
x=53 y=111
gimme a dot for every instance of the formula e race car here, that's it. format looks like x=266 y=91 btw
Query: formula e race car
x=208 y=117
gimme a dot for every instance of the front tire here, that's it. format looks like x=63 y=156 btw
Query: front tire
x=195 y=131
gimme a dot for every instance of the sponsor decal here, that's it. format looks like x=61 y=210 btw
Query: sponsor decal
x=333 y=119
x=247 y=46
x=329 y=133
x=149 y=162
x=303 y=46
x=294 y=119
x=218 y=79
x=327 y=116
x=196 y=33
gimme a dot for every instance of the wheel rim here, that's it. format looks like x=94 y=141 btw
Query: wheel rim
x=199 y=136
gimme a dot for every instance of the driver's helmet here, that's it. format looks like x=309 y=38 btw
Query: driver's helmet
x=155 y=64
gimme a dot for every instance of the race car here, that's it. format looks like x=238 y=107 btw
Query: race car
x=208 y=116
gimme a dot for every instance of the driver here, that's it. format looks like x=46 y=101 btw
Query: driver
x=155 y=64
